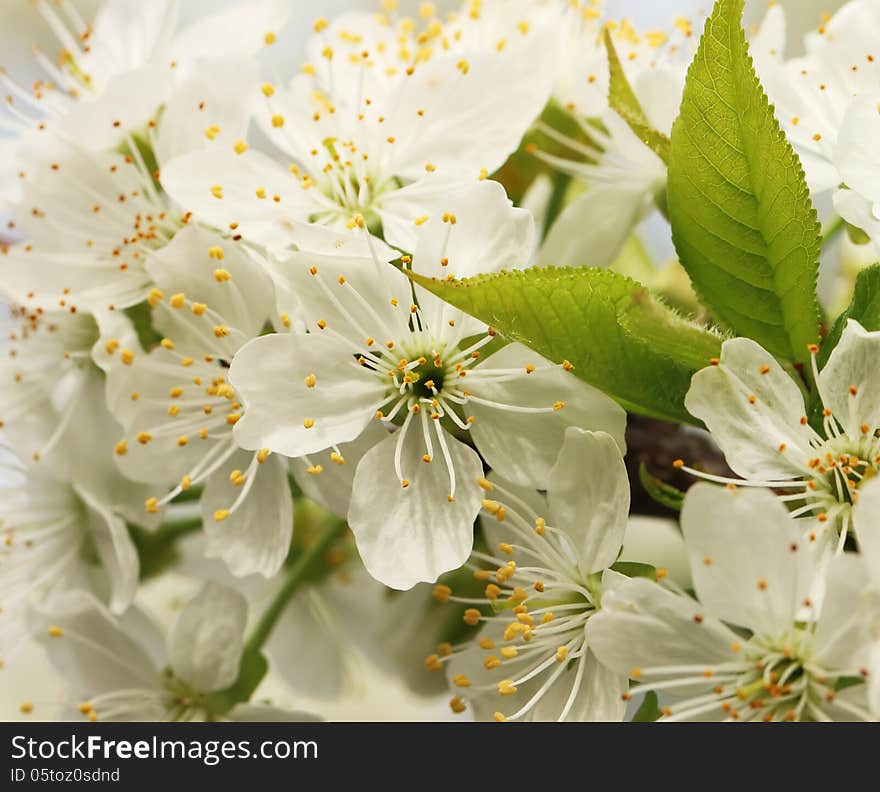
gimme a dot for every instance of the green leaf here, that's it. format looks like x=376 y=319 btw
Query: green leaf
x=740 y=209
x=619 y=338
x=864 y=308
x=625 y=103
x=649 y=711
x=659 y=491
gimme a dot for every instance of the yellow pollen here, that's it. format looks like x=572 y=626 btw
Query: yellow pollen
x=471 y=617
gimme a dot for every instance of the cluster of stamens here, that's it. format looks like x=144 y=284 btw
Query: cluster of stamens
x=534 y=612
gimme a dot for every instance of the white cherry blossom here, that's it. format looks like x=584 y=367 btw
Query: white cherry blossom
x=118 y=671
x=757 y=415
x=757 y=644
x=547 y=573
x=418 y=366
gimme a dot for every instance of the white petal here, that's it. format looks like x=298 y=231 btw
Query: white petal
x=523 y=447
x=237 y=32
x=767 y=46
x=128 y=33
x=866 y=519
x=751 y=434
x=211 y=110
x=255 y=538
x=306 y=647
x=643 y=625
x=93 y=655
x=331 y=487
x=191 y=180
x=843 y=634
x=205 y=644
x=129 y=101
x=489 y=235
x=356 y=298
x=657 y=541
x=853 y=364
x=116 y=550
x=599 y=698
x=245 y=301
x=591 y=230
x=414 y=534
x=750 y=563
x=859 y=212
x=588 y=493
x=856 y=153
x=284 y=412
x=254 y=713
x=659 y=92
x=470 y=121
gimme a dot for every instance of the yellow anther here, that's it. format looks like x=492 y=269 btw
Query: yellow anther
x=155 y=297
x=144 y=437
x=337 y=458
x=152 y=505
x=26 y=708
x=547 y=618
x=509 y=652
x=261 y=193
x=277 y=121
x=121 y=448
x=432 y=663
x=505 y=548
x=540 y=526
x=499 y=717
x=492 y=591
x=460 y=680
x=217 y=191
x=308 y=423
x=85 y=707
x=561 y=654
x=240 y=147
x=199 y=309
x=442 y=593
x=176 y=393
x=558 y=405
x=221 y=514
x=487 y=643
x=263 y=455
x=182 y=440
x=212 y=131
x=472 y=617
x=506 y=687
x=221 y=331
x=315 y=470
x=268 y=89
x=491 y=662
x=457 y=705
x=185 y=483
x=55 y=632
x=127 y=357
x=177 y=300
x=270 y=38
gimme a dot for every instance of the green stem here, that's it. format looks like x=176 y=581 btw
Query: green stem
x=296 y=575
